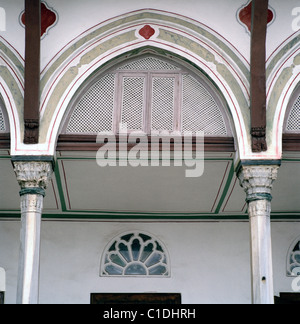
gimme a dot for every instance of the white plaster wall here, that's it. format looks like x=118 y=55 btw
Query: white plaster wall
x=77 y=16
x=210 y=261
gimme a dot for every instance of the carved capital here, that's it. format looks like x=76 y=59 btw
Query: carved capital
x=33 y=177
x=257 y=181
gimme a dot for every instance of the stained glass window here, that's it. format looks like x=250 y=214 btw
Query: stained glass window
x=135 y=254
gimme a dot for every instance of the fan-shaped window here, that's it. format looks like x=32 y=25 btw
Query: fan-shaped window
x=292 y=122
x=148 y=94
x=293 y=266
x=135 y=254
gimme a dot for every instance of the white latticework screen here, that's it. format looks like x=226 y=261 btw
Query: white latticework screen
x=133 y=102
x=94 y=112
x=293 y=123
x=163 y=101
x=2 y=121
x=149 y=64
x=200 y=110
x=148 y=94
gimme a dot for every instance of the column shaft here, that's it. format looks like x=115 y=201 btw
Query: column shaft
x=29 y=259
x=257 y=181
x=261 y=252
x=33 y=177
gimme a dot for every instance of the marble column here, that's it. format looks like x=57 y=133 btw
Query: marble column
x=257 y=181
x=33 y=178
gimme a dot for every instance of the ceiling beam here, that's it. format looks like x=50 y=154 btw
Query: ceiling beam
x=32 y=71
x=258 y=74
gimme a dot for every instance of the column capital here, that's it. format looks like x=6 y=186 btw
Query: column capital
x=257 y=181
x=33 y=176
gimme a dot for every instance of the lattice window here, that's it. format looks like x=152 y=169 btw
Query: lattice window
x=135 y=254
x=94 y=112
x=163 y=102
x=2 y=121
x=293 y=266
x=293 y=122
x=149 y=64
x=148 y=94
x=200 y=110
x=133 y=102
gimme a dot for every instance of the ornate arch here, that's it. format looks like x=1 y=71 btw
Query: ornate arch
x=283 y=73
x=167 y=32
x=12 y=90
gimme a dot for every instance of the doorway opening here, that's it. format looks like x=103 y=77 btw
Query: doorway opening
x=131 y=299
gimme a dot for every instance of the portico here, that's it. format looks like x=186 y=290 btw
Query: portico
x=94 y=146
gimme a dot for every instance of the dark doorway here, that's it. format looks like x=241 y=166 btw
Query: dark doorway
x=131 y=299
x=288 y=299
x=1 y=297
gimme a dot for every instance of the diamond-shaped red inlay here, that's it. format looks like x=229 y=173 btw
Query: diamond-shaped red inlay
x=147 y=32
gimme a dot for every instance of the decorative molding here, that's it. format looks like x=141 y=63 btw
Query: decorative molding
x=257 y=181
x=179 y=36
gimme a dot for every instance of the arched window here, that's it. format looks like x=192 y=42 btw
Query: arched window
x=135 y=254
x=293 y=261
x=148 y=94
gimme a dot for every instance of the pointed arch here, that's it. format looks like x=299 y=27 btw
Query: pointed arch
x=12 y=91
x=283 y=73
x=181 y=36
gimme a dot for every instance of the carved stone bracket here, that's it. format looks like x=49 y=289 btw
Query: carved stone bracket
x=257 y=181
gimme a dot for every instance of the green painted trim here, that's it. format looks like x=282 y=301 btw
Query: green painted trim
x=282 y=53
x=32 y=158
x=259 y=196
x=60 y=190
x=13 y=58
x=32 y=191
x=205 y=217
x=226 y=188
